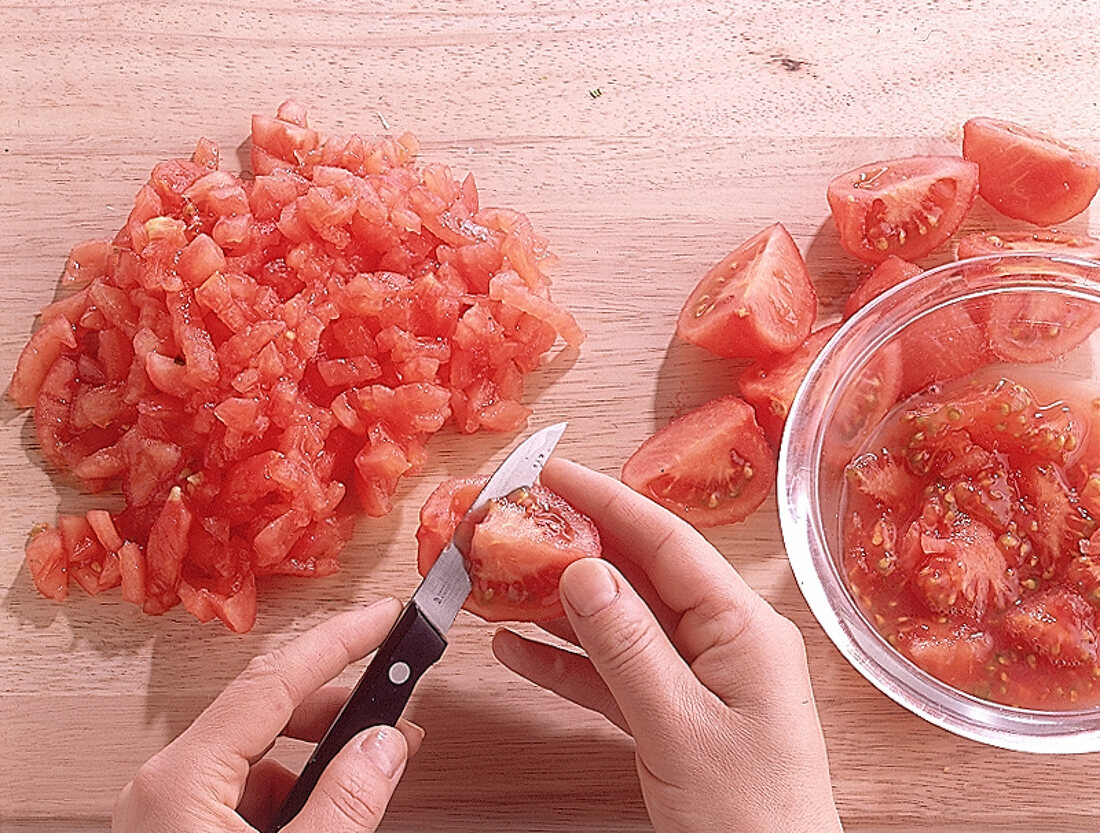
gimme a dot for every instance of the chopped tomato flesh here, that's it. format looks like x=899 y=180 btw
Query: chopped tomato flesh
x=968 y=527
x=252 y=358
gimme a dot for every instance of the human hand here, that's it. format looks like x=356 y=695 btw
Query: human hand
x=710 y=681
x=213 y=778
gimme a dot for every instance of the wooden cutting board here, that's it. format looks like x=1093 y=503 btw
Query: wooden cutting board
x=645 y=140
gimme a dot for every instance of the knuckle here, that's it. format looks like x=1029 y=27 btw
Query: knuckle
x=358 y=799
x=625 y=642
x=267 y=671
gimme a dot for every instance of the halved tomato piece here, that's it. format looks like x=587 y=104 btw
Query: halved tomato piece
x=758 y=302
x=886 y=275
x=1027 y=174
x=905 y=207
x=517 y=551
x=711 y=466
x=1040 y=240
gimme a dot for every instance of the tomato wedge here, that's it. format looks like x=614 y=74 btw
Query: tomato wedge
x=1037 y=327
x=711 y=466
x=770 y=387
x=886 y=275
x=1040 y=240
x=757 y=302
x=1027 y=174
x=517 y=551
x=905 y=207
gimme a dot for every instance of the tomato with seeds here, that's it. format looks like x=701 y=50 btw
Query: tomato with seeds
x=969 y=524
x=517 y=550
x=711 y=466
x=1027 y=174
x=905 y=207
x=758 y=302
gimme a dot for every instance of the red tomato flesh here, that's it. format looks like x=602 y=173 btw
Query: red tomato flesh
x=517 y=551
x=758 y=302
x=711 y=466
x=252 y=359
x=905 y=207
x=1027 y=174
x=886 y=275
x=968 y=528
x=770 y=387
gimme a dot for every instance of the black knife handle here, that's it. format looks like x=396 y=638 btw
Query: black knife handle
x=411 y=646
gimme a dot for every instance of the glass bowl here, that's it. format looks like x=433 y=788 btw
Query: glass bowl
x=927 y=330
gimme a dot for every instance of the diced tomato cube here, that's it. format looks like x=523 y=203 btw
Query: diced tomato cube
x=48 y=564
x=45 y=346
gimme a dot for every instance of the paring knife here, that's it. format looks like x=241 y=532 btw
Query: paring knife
x=417 y=638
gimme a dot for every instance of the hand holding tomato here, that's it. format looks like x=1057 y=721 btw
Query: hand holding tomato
x=213 y=777
x=710 y=681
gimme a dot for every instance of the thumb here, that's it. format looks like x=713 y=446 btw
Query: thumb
x=352 y=793
x=627 y=646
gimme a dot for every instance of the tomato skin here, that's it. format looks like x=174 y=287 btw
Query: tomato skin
x=1027 y=174
x=756 y=303
x=906 y=207
x=711 y=466
x=517 y=550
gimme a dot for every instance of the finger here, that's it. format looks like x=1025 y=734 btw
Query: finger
x=255 y=707
x=268 y=785
x=353 y=791
x=686 y=572
x=560 y=628
x=568 y=675
x=315 y=714
x=269 y=782
x=653 y=686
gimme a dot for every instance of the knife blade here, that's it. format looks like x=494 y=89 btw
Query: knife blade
x=417 y=639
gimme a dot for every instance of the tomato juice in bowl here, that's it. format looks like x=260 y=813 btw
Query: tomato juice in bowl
x=936 y=483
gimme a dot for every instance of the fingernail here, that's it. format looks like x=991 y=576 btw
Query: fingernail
x=590 y=587
x=385 y=748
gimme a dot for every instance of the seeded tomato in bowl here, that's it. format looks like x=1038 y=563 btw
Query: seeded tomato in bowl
x=949 y=542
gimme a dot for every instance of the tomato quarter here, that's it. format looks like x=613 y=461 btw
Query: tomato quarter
x=1041 y=240
x=711 y=466
x=1027 y=174
x=517 y=550
x=756 y=303
x=905 y=207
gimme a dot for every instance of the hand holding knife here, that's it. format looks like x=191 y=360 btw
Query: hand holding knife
x=417 y=639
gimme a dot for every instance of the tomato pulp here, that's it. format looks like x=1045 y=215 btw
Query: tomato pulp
x=971 y=541
x=253 y=360
x=517 y=551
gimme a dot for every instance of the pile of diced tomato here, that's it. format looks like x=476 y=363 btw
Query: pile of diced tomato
x=255 y=359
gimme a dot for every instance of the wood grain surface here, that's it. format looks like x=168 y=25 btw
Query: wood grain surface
x=645 y=140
